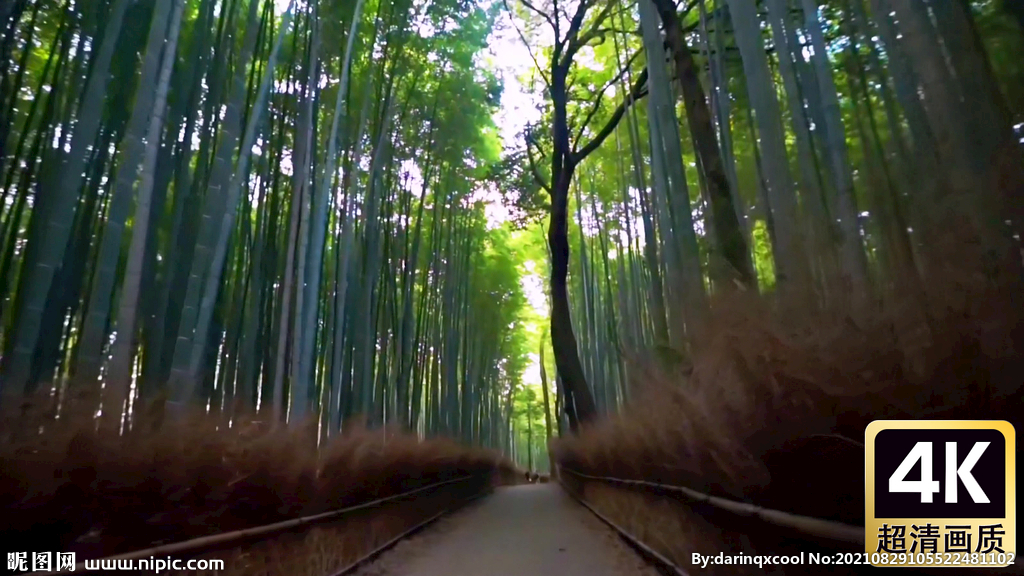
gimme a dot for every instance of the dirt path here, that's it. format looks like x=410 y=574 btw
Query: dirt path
x=534 y=530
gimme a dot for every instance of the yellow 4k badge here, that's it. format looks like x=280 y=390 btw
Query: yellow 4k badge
x=940 y=493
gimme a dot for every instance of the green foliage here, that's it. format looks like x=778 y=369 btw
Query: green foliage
x=1001 y=29
x=499 y=302
x=520 y=192
x=763 y=262
x=425 y=58
x=528 y=414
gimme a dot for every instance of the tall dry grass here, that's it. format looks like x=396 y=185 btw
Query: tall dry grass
x=775 y=407
x=66 y=486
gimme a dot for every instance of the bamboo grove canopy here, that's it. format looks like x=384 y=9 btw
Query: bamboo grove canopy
x=252 y=205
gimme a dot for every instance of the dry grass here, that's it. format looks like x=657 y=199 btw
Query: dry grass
x=774 y=409
x=74 y=489
x=771 y=395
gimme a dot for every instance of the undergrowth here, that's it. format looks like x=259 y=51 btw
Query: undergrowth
x=775 y=408
x=66 y=486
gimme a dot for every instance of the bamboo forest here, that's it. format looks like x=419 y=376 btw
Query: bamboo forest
x=626 y=238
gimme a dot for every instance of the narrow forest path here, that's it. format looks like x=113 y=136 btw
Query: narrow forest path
x=533 y=529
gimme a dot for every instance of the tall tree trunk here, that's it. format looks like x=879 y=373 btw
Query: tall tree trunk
x=89 y=358
x=305 y=294
x=62 y=191
x=854 y=261
x=529 y=439
x=672 y=196
x=547 y=402
x=10 y=14
x=728 y=230
x=563 y=340
x=791 y=269
x=182 y=381
x=224 y=228
x=122 y=351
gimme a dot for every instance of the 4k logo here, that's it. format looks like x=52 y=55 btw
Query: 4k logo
x=922 y=452
x=940 y=487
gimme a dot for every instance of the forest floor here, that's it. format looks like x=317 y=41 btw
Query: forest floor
x=528 y=529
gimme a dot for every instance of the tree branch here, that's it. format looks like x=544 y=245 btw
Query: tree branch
x=600 y=95
x=571 y=45
x=512 y=19
x=539 y=12
x=576 y=41
x=556 y=25
x=635 y=93
x=595 y=28
x=533 y=164
x=613 y=30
